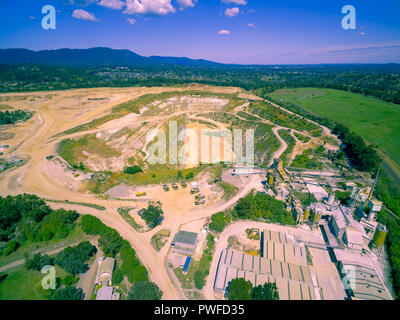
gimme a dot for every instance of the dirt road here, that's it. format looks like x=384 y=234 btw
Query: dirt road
x=35 y=140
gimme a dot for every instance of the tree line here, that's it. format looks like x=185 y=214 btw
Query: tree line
x=112 y=244
x=27 y=218
x=240 y=289
x=380 y=81
x=364 y=157
x=10 y=117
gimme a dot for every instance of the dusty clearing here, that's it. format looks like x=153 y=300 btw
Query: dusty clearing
x=118 y=140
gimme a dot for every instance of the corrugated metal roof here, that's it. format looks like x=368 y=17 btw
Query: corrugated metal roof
x=185 y=237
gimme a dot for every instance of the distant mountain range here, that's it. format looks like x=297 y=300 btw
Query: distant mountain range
x=93 y=57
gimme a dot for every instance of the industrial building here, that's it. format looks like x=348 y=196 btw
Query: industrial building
x=185 y=242
x=282 y=247
x=353 y=238
x=374 y=205
x=338 y=225
x=314 y=188
x=380 y=235
x=360 y=280
x=281 y=261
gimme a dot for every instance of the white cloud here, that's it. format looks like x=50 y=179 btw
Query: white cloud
x=232 y=12
x=224 y=32
x=81 y=3
x=238 y=2
x=84 y=15
x=186 y=3
x=159 y=7
x=112 y=4
x=131 y=20
x=251 y=25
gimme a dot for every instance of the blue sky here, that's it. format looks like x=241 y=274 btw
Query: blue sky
x=229 y=31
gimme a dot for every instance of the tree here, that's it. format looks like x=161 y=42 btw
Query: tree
x=343 y=197
x=154 y=214
x=179 y=175
x=72 y=259
x=117 y=276
x=110 y=242
x=133 y=169
x=67 y=293
x=38 y=261
x=199 y=279
x=218 y=222
x=145 y=290
x=268 y=291
x=131 y=266
x=92 y=225
x=10 y=248
x=240 y=289
x=189 y=176
x=70 y=279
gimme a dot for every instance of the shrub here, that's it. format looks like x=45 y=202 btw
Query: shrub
x=110 y=242
x=10 y=247
x=133 y=169
x=92 y=225
x=189 y=176
x=70 y=279
x=131 y=266
x=145 y=290
x=67 y=293
x=38 y=261
x=72 y=259
x=199 y=279
x=117 y=276
x=154 y=214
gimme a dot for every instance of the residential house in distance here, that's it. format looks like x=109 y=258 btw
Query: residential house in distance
x=106 y=267
x=107 y=293
x=104 y=278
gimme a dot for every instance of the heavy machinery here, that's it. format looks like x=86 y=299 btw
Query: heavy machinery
x=199 y=196
x=165 y=187
x=141 y=194
x=253 y=233
x=194 y=190
x=200 y=201
x=174 y=186
x=254 y=252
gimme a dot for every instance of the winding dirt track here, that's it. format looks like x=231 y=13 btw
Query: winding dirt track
x=40 y=143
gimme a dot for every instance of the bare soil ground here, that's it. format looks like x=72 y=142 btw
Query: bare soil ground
x=59 y=111
x=323 y=268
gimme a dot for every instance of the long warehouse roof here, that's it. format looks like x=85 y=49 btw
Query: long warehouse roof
x=294 y=281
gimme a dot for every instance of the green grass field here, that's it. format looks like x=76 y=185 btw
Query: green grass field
x=22 y=284
x=378 y=122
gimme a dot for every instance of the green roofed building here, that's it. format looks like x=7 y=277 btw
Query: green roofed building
x=185 y=242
